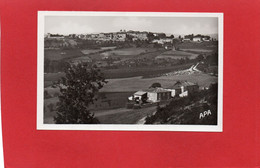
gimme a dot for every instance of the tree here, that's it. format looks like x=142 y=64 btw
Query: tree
x=155 y=85
x=78 y=90
x=51 y=107
x=175 y=43
x=200 y=57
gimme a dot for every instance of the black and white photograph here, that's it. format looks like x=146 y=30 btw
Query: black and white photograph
x=149 y=71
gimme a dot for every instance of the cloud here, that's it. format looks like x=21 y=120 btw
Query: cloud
x=132 y=23
x=70 y=27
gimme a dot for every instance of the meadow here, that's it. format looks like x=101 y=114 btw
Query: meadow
x=176 y=55
x=140 y=83
x=129 y=51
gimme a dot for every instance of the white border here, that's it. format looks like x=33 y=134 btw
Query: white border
x=125 y=127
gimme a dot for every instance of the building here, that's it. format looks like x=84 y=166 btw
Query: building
x=54 y=36
x=119 y=36
x=186 y=39
x=138 y=35
x=206 y=38
x=183 y=88
x=197 y=39
x=158 y=94
x=162 y=41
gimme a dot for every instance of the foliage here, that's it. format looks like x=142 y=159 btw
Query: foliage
x=155 y=85
x=46 y=95
x=200 y=57
x=77 y=91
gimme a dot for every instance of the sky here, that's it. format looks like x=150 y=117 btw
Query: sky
x=96 y=24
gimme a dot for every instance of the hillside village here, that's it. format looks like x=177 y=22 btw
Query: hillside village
x=123 y=35
x=131 y=62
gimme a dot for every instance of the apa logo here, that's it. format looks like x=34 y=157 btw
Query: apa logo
x=205 y=113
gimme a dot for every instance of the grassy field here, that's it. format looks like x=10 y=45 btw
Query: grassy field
x=143 y=71
x=139 y=83
x=208 y=45
x=49 y=78
x=199 y=50
x=90 y=51
x=124 y=116
x=130 y=51
x=176 y=55
x=62 y=54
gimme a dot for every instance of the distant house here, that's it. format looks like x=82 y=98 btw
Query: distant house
x=139 y=96
x=183 y=88
x=206 y=38
x=197 y=39
x=108 y=36
x=186 y=39
x=54 y=36
x=138 y=35
x=162 y=41
x=119 y=36
x=158 y=94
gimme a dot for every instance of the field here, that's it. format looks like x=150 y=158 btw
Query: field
x=198 y=50
x=59 y=54
x=49 y=78
x=143 y=71
x=176 y=55
x=124 y=116
x=129 y=51
x=194 y=45
x=139 y=83
x=90 y=51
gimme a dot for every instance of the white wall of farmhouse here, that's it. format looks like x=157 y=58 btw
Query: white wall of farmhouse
x=173 y=93
x=184 y=94
x=152 y=96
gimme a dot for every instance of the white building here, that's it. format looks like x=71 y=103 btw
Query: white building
x=196 y=39
x=158 y=94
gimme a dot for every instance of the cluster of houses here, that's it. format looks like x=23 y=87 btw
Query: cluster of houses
x=152 y=95
x=196 y=38
x=123 y=35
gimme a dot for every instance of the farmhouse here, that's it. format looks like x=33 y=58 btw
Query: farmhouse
x=183 y=88
x=139 y=96
x=158 y=94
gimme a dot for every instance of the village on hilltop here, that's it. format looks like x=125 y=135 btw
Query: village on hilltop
x=131 y=35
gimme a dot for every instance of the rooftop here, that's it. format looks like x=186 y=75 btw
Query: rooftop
x=139 y=93
x=178 y=84
x=157 y=90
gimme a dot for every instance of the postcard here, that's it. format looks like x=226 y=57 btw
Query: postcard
x=130 y=71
